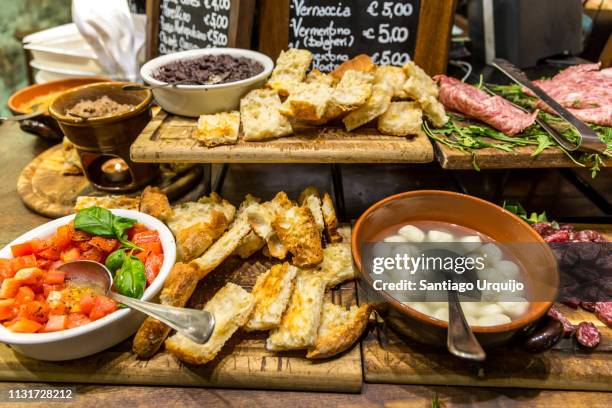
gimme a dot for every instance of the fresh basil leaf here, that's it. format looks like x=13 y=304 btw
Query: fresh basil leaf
x=121 y=225
x=131 y=280
x=129 y=244
x=96 y=221
x=115 y=260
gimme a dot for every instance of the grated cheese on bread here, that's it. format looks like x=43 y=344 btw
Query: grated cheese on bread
x=260 y=116
x=337 y=265
x=218 y=129
x=299 y=324
x=231 y=307
x=339 y=329
x=298 y=232
x=401 y=119
x=290 y=70
x=272 y=291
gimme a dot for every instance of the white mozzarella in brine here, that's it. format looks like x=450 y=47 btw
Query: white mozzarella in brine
x=470 y=308
x=419 y=307
x=493 y=320
x=470 y=243
x=441 y=314
x=491 y=253
x=490 y=309
x=412 y=233
x=509 y=269
x=439 y=236
x=515 y=308
x=471 y=320
x=395 y=238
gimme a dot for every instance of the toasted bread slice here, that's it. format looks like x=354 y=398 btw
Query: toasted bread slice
x=218 y=129
x=260 y=116
x=317 y=77
x=177 y=290
x=377 y=104
x=394 y=76
x=434 y=111
x=353 y=90
x=361 y=62
x=298 y=232
x=272 y=291
x=401 y=119
x=196 y=225
x=311 y=199
x=299 y=324
x=252 y=242
x=339 y=329
x=221 y=249
x=291 y=67
x=307 y=101
x=330 y=219
x=231 y=307
x=110 y=201
x=418 y=83
x=337 y=265
x=261 y=218
x=154 y=201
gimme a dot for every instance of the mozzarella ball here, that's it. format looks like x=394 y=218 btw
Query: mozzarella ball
x=380 y=249
x=471 y=320
x=490 y=296
x=470 y=243
x=509 y=269
x=515 y=308
x=412 y=233
x=419 y=307
x=439 y=236
x=395 y=238
x=490 y=309
x=493 y=320
x=491 y=275
x=491 y=253
x=441 y=314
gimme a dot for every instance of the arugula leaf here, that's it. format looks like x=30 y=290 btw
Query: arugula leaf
x=115 y=260
x=130 y=279
x=517 y=209
x=96 y=221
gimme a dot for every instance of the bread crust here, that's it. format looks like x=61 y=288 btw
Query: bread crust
x=401 y=119
x=154 y=201
x=291 y=67
x=110 y=201
x=361 y=62
x=298 y=232
x=260 y=116
x=341 y=335
x=218 y=129
x=330 y=219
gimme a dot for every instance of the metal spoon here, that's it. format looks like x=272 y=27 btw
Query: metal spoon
x=21 y=117
x=141 y=87
x=196 y=325
x=460 y=339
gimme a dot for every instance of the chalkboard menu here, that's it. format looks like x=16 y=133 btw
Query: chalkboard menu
x=180 y=25
x=337 y=31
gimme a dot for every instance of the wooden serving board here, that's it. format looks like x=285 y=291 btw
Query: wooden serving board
x=390 y=359
x=168 y=138
x=44 y=188
x=490 y=158
x=242 y=363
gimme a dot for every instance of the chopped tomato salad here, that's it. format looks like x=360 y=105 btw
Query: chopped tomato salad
x=34 y=298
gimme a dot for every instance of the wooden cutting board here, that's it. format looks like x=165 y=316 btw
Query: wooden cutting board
x=168 y=138
x=387 y=358
x=242 y=363
x=44 y=188
x=490 y=158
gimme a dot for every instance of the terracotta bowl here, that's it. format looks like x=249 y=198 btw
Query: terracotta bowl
x=502 y=226
x=98 y=139
x=45 y=126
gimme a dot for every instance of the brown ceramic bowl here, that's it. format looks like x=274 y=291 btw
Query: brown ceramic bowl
x=98 y=139
x=44 y=126
x=487 y=218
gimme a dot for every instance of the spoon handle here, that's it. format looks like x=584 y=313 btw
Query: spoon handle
x=461 y=340
x=196 y=325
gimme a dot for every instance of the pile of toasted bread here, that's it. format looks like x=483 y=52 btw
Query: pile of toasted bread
x=357 y=92
x=287 y=300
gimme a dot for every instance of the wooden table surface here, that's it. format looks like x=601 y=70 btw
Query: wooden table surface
x=18 y=148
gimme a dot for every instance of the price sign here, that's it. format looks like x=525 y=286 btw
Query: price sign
x=337 y=31
x=180 y=25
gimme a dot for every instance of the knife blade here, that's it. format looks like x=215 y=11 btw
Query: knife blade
x=589 y=140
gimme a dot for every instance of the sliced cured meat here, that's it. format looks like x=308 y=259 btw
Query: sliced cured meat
x=603 y=311
x=588 y=334
x=584 y=90
x=568 y=327
x=493 y=110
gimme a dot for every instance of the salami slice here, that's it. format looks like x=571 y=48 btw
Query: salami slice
x=568 y=327
x=603 y=311
x=588 y=334
x=493 y=110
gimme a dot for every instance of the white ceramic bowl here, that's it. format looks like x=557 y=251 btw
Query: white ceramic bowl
x=196 y=100
x=100 y=334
